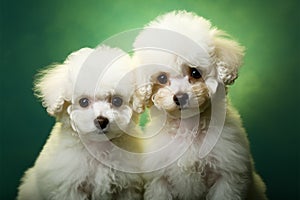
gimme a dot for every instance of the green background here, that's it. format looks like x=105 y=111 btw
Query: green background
x=36 y=33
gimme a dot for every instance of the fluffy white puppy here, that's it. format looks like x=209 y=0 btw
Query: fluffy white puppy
x=193 y=65
x=91 y=113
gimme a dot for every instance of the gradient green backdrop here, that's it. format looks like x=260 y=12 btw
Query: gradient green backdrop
x=36 y=33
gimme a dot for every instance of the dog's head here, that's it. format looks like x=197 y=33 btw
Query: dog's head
x=91 y=90
x=181 y=95
x=201 y=58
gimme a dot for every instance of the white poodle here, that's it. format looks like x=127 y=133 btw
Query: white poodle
x=92 y=111
x=202 y=149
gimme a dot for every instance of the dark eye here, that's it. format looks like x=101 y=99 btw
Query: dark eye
x=162 y=78
x=195 y=73
x=116 y=101
x=84 y=102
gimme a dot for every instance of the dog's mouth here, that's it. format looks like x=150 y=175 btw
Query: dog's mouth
x=102 y=131
x=183 y=107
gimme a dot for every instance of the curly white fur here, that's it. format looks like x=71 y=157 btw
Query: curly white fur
x=65 y=169
x=227 y=172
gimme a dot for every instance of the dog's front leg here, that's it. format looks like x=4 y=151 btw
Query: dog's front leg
x=231 y=186
x=132 y=193
x=158 y=189
x=29 y=188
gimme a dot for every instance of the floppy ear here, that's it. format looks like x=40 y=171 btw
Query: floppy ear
x=142 y=98
x=54 y=86
x=50 y=87
x=229 y=55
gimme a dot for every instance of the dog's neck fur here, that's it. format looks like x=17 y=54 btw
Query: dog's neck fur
x=203 y=119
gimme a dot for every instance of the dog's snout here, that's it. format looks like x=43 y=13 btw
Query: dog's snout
x=180 y=99
x=101 y=122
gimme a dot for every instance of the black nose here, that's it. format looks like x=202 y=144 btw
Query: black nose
x=101 y=122
x=181 y=99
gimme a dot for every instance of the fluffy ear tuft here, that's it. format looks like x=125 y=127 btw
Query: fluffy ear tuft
x=229 y=55
x=54 y=86
x=50 y=88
